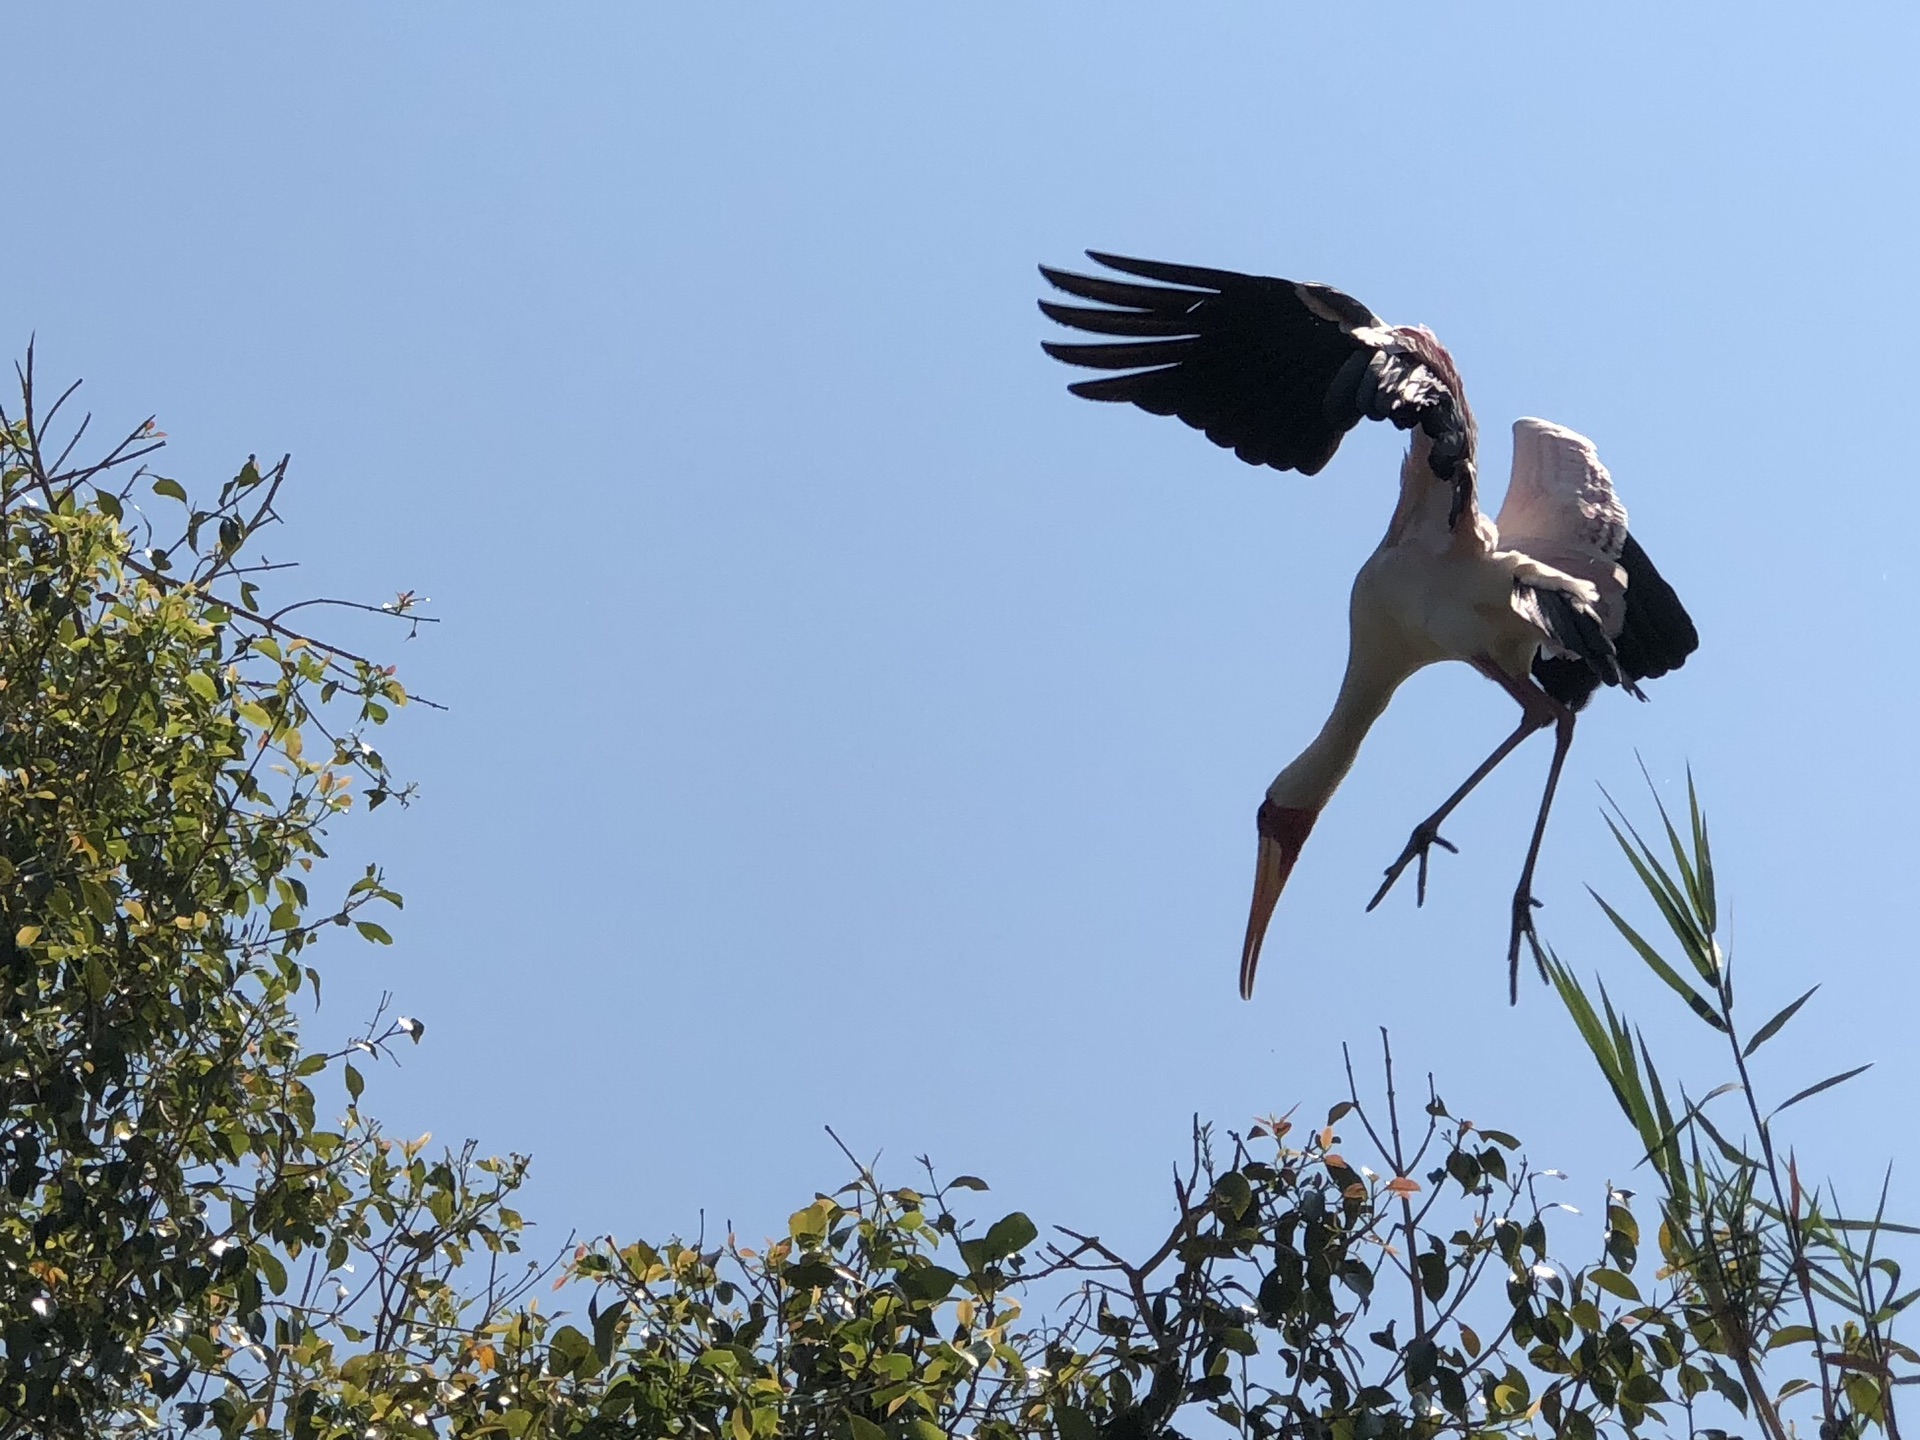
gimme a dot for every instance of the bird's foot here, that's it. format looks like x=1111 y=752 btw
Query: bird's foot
x=1425 y=836
x=1523 y=907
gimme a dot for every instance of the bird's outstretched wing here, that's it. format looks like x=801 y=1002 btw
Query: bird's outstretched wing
x=1561 y=510
x=1275 y=370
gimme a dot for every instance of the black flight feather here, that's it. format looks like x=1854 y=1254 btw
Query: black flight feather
x=1656 y=635
x=1265 y=367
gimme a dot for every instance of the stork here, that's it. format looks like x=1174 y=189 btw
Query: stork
x=1550 y=601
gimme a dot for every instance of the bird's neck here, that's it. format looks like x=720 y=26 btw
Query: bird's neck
x=1309 y=782
x=1422 y=518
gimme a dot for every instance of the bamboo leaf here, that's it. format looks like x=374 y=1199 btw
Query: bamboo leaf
x=1896 y=1305
x=1681 y=860
x=1587 y=1022
x=1654 y=962
x=1675 y=905
x=1879 y=1214
x=1826 y=1084
x=1772 y=1028
x=1669 y=1146
x=1603 y=1040
x=1732 y=1153
x=1890 y=1226
x=1710 y=907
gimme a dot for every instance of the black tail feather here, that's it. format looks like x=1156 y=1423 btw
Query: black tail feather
x=1656 y=635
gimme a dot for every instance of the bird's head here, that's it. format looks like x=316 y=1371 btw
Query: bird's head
x=1283 y=831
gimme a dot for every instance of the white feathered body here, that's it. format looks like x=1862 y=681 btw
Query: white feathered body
x=1432 y=592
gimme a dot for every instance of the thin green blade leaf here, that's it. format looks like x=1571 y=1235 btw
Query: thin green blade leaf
x=1826 y=1084
x=1732 y=1153
x=1703 y=852
x=1625 y=1089
x=1681 y=860
x=1669 y=1146
x=1772 y=1028
x=1674 y=906
x=1892 y=1227
x=1696 y=1002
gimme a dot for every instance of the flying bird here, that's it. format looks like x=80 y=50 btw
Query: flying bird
x=1550 y=601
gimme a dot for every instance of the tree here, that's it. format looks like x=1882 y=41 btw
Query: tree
x=188 y=1246
x=177 y=1223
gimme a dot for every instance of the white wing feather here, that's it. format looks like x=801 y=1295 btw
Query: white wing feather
x=1561 y=511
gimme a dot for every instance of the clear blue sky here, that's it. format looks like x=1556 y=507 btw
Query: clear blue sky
x=850 y=727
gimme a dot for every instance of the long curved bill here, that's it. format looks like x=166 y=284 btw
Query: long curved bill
x=1283 y=831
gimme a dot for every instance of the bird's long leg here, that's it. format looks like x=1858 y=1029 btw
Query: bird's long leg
x=1538 y=710
x=1541 y=709
x=1523 y=901
x=1427 y=833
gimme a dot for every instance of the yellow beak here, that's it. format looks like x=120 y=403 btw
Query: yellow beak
x=1283 y=831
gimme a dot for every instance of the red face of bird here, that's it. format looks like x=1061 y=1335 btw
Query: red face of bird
x=1283 y=831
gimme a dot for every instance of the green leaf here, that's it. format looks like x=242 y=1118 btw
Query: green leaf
x=606 y=1325
x=1730 y=1152
x=1612 y=1049
x=1792 y=1335
x=928 y=1284
x=966 y=1182
x=1676 y=907
x=373 y=932
x=1894 y=1306
x=810 y=1275
x=1614 y=1283
x=1232 y=1194
x=1654 y=962
x=1826 y=1084
x=1703 y=852
x=571 y=1353
x=355 y=1082
x=172 y=489
x=1889 y=1226
x=1728 y=1387
x=202 y=685
x=1767 y=1031
x=813 y=1222
x=1010 y=1235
